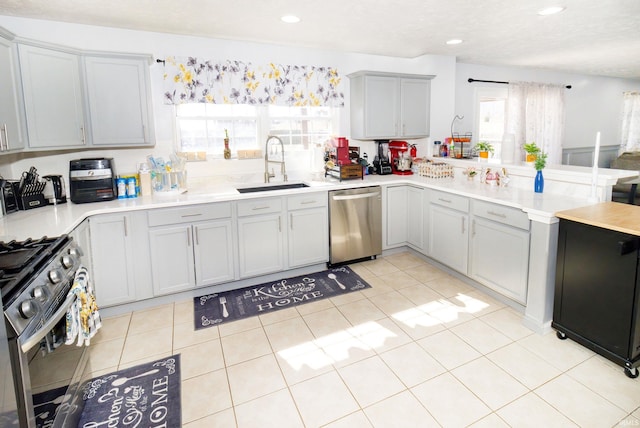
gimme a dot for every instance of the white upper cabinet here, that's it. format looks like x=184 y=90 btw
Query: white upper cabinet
x=374 y=107
x=12 y=135
x=118 y=100
x=73 y=98
x=415 y=97
x=387 y=105
x=53 y=97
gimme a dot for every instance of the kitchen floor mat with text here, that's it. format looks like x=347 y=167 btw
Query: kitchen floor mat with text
x=145 y=395
x=218 y=308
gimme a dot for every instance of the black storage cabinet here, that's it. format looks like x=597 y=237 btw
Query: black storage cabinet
x=597 y=292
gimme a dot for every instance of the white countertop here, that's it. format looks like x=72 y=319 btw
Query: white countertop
x=63 y=218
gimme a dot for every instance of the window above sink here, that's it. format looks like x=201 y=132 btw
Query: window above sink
x=201 y=127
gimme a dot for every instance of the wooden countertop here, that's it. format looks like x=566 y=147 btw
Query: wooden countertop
x=616 y=216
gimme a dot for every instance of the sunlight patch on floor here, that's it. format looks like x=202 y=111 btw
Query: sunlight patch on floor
x=371 y=335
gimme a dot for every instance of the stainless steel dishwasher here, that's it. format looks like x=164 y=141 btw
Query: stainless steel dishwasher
x=355 y=224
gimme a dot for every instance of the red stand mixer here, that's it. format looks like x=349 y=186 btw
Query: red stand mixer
x=401 y=159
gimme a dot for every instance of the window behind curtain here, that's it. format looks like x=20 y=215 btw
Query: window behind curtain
x=631 y=121
x=201 y=127
x=490 y=117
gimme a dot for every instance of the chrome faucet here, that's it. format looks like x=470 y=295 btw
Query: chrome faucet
x=268 y=175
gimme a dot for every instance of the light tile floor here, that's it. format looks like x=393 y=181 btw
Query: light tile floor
x=418 y=349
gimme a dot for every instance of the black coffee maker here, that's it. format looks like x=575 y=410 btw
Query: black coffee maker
x=381 y=162
x=54 y=190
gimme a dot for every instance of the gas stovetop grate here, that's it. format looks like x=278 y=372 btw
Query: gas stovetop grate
x=20 y=260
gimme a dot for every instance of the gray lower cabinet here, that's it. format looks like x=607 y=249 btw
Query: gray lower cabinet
x=260 y=236
x=396 y=216
x=499 y=249
x=449 y=230
x=275 y=234
x=308 y=231
x=406 y=215
x=119 y=258
x=417 y=217
x=191 y=247
x=141 y=254
x=82 y=237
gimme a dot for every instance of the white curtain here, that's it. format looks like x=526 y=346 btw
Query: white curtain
x=631 y=122
x=535 y=113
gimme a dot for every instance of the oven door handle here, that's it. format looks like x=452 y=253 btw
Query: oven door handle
x=35 y=338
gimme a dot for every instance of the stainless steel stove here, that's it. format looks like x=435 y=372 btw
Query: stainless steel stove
x=35 y=279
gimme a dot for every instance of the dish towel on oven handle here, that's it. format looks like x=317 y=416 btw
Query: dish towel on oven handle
x=83 y=318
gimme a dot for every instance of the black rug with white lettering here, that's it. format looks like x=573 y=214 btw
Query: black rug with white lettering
x=218 y=308
x=145 y=395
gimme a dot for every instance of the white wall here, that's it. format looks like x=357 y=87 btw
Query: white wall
x=593 y=103
x=161 y=45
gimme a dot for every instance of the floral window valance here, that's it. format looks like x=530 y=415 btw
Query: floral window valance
x=192 y=80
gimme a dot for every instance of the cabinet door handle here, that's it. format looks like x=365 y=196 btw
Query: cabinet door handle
x=447 y=201
x=463 y=222
x=84 y=141
x=126 y=226
x=473 y=227
x=279 y=224
x=197 y=237
x=308 y=202
x=191 y=215
x=262 y=207
x=4 y=142
x=495 y=214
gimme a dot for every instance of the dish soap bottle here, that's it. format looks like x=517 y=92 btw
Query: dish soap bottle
x=227 y=151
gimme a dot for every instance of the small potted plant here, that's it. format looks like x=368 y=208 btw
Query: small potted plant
x=483 y=148
x=532 y=151
x=539 y=164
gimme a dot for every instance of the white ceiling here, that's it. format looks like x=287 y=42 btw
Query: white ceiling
x=600 y=37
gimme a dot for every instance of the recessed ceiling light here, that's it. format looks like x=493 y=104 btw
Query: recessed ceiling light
x=290 y=19
x=551 y=10
x=454 y=41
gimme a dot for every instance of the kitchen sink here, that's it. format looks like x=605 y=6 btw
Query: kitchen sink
x=269 y=187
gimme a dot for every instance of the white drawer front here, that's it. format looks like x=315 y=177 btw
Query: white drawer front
x=450 y=200
x=259 y=206
x=312 y=200
x=189 y=214
x=502 y=214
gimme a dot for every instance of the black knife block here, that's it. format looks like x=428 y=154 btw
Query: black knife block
x=31 y=201
x=27 y=202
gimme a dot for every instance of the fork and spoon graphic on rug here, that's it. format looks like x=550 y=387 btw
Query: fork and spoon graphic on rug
x=223 y=303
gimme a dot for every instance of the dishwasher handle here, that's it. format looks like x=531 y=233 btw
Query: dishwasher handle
x=355 y=196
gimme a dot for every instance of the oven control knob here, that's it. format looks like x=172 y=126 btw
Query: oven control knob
x=68 y=261
x=39 y=294
x=55 y=276
x=28 y=309
x=76 y=252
